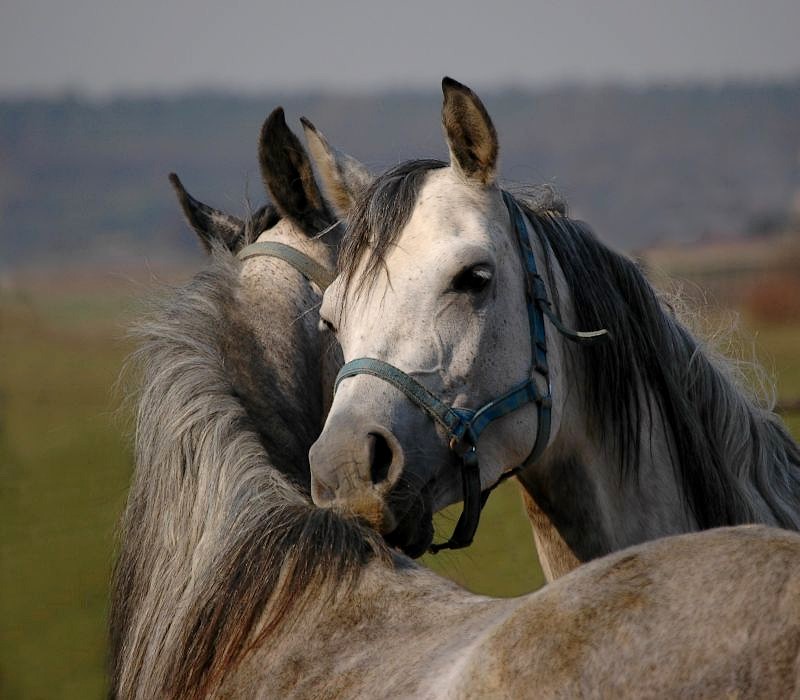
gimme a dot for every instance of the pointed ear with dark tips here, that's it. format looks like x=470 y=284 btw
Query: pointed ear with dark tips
x=289 y=177
x=211 y=225
x=471 y=136
x=343 y=177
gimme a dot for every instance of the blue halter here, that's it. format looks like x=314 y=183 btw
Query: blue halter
x=463 y=425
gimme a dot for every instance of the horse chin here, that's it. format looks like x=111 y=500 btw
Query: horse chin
x=414 y=531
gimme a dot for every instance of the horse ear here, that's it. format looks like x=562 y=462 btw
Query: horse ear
x=210 y=225
x=471 y=136
x=343 y=177
x=288 y=175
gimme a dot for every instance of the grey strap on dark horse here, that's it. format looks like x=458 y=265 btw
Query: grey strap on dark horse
x=464 y=426
x=310 y=269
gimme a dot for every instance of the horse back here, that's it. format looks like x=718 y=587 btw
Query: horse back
x=711 y=614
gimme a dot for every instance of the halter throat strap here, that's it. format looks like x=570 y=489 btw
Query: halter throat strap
x=306 y=266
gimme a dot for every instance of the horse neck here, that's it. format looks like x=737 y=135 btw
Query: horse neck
x=281 y=366
x=687 y=448
x=582 y=505
x=231 y=400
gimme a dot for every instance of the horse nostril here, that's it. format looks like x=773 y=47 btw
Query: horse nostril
x=380 y=457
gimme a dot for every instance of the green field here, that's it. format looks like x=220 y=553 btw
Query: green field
x=65 y=463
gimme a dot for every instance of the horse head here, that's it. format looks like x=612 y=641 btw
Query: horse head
x=451 y=306
x=431 y=304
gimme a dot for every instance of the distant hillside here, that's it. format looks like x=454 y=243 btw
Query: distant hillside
x=83 y=181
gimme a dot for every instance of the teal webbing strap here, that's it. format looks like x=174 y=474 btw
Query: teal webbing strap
x=437 y=409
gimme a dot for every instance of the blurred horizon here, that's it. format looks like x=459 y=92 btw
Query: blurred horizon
x=621 y=84
x=657 y=121
x=83 y=179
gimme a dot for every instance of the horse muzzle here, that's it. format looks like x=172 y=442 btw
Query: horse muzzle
x=353 y=469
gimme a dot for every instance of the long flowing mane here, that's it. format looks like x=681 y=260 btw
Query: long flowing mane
x=220 y=542
x=734 y=459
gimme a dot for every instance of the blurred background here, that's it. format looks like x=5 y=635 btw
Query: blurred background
x=672 y=128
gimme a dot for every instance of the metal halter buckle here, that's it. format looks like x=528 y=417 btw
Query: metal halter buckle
x=461 y=445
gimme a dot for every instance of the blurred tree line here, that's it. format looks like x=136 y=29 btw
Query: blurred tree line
x=84 y=181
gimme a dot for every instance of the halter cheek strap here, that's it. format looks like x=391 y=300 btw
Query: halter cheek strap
x=464 y=426
x=306 y=266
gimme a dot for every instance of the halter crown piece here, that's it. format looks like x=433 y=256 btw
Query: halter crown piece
x=463 y=425
x=310 y=269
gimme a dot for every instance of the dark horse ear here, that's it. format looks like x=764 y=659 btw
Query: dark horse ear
x=288 y=176
x=471 y=136
x=209 y=224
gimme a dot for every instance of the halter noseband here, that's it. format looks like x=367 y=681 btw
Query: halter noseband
x=310 y=269
x=463 y=425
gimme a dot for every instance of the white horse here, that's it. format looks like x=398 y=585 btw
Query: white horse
x=454 y=293
x=230 y=583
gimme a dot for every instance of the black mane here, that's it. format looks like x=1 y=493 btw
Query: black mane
x=379 y=216
x=695 y=398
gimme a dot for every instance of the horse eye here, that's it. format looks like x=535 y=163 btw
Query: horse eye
x=473 y=279
x=326 y=325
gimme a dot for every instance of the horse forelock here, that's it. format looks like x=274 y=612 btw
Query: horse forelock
x=218 y=547
x=378 y=217
x=734 y=460
x=385 y=207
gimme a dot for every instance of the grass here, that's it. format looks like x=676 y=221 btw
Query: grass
x=777 y=348
x=64 y=470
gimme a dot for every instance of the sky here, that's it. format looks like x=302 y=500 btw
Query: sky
x=104 y=47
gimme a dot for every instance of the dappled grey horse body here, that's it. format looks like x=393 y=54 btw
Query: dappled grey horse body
x=220 y=433
x=624 y=626
x=231 y=583
x=651 y=433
